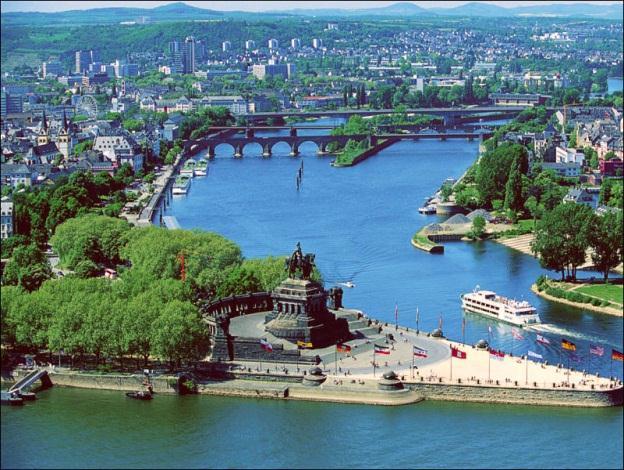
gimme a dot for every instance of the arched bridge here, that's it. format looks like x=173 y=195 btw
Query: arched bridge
x=267 y=143
x=238 y=143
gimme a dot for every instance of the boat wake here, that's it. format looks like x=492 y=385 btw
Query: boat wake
x=559 y=331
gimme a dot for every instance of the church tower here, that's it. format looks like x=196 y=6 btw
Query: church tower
x=44 y=135
x=63 y=140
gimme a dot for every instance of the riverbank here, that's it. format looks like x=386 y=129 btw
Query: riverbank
x=585 y=306
x=353 y=159
x=422 y=242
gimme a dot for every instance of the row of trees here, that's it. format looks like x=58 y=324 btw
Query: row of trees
x=153 y=309
x=565 y=233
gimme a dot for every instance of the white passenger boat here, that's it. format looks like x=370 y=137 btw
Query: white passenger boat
x=181 y=184
x=202 y=167
x=428 y=209
x=487 y=303
x=189 y=168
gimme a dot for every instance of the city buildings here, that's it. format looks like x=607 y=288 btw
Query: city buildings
x=6 y=218
x=273 y=44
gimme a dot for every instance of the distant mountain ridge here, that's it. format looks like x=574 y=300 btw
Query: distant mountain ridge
x=180 y=11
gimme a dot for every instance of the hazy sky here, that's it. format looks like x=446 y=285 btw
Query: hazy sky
x=48 y=6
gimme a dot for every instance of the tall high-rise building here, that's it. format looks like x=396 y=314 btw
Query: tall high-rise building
x=189 y=54
x=200 y=50
x=51 y=68
x=94 y=55
x=174 y=46
x=83 y=59
x=273 y=44
x=226 y=46
x=249 y=44
x=317 y=43
x=295 y=43
x=10 y=104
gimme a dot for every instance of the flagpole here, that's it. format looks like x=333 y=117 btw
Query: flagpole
x=417 y=318
x=464 y=330
x=336 y=360
x=412 y=362
x=451 y=365
x=374 y=360
x=396 y=317
x=489 y=349
x=526 y=376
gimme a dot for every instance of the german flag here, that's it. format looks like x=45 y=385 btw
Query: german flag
x=340 y=347
x=304 y=344
x=617 y=355
x=565 y=344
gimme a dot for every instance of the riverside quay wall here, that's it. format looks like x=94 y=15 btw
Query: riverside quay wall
x=519 y=395
x=289 y=387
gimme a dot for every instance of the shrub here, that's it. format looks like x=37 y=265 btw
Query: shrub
x=595 y=302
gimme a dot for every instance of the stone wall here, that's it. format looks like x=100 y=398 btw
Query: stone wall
x=107 y=381
x=518 y=395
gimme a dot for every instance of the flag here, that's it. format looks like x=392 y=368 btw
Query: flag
x=420 y=352
x=535 y=355
x=541 y=339
x=340 y=347
x=574 y=358
x=264 y=344
x=396 y=313
x=516 y=334
x=463 y=325
x=499 y=355
x=304 y=344
x=440 y=322
x=597 y=350
x=617 y=355
x=382 y=349
x=565 y=344
x=457 y=353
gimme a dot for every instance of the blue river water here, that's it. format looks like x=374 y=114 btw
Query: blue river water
x=359 y=222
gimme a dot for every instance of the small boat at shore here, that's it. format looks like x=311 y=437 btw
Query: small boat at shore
x=189 y=168
x=348 y=284
x=428 y=209
x=181 y=185
x=12 y=399
x=489 y=304
x=202 y=167
x=140 y=395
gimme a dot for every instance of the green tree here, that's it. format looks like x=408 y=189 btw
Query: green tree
x=28 y=268
x=178 y=333
x=478 y=227
x=605 y=239
x=513 y=188
x=562 y=238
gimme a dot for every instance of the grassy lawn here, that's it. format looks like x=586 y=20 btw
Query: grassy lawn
x=603 y=291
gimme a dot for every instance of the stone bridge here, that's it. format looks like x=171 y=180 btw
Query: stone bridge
x=238 y=144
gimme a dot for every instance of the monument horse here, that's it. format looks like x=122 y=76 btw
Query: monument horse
x=299 y=266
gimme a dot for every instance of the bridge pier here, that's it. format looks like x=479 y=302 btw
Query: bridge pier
x=266 y=150
x=294 y=149
x=293 y=132
x=238 y=151
x=211 y=151
x=449 y=120
x=322 y=149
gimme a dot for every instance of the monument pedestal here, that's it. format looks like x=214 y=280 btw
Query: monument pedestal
x=300 y=314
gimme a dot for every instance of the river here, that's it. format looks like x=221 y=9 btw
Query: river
x=359 y=222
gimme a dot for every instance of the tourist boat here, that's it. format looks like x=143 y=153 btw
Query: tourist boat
x=181 y=185
x=428 y=209
x=189 y=168
x=139 y=395
x=202 y=167
x=12 y=398
x=487 y=303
